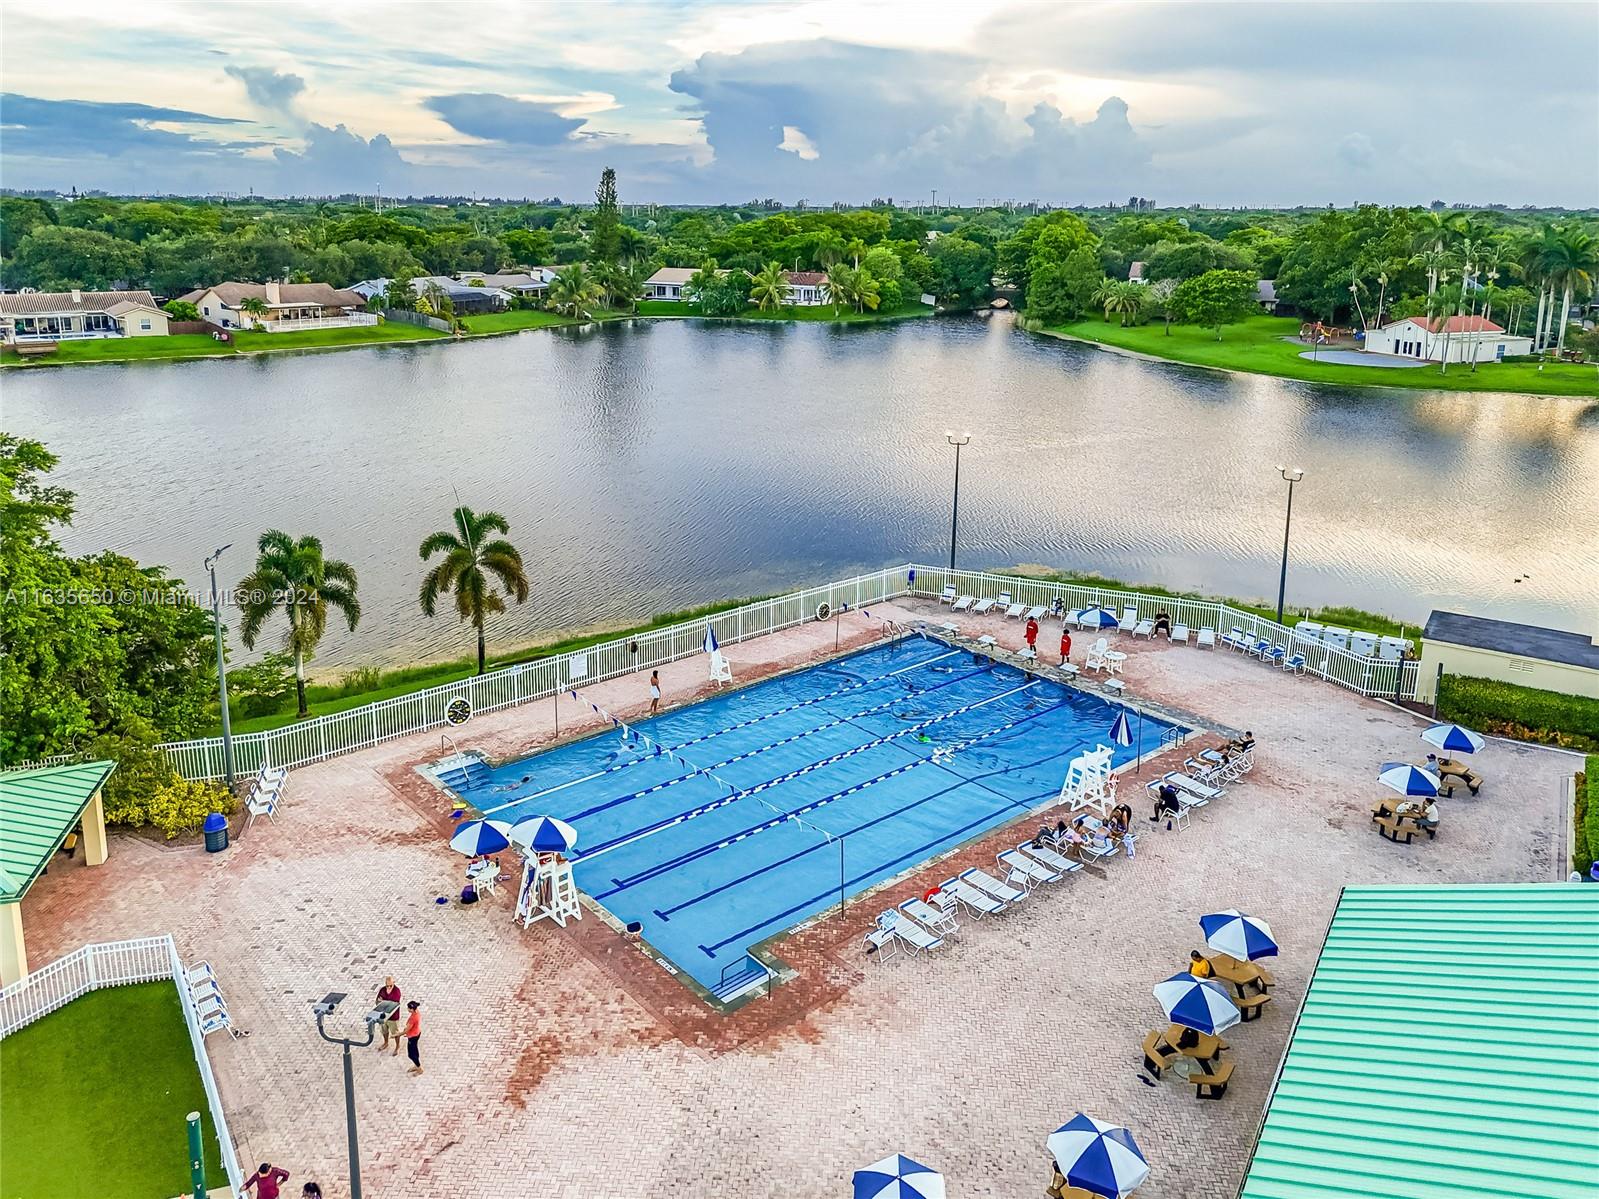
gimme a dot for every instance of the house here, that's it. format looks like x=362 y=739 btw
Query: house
x=668 y=283
x=464 y=297
x=1266 y=294
x=517 y=283
x=288 y=307
x=1135 y=273
x=1548 y=659
x=1463 y=338
x=77 y=314
x=806 y=288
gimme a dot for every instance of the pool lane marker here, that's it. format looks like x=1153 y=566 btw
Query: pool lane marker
x=816 y=699
x=649 y=830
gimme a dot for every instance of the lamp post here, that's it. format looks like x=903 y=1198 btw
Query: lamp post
x=222 y=667
x=376 y=1016
x=1291 y=475
x=955 y=506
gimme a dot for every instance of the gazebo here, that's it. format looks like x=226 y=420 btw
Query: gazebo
x=38 y=808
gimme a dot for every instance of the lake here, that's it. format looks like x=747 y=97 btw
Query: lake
x=653 y=465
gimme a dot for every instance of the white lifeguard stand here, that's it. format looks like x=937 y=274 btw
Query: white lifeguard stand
x=1089 y=783
x=548 y=891
x=721 y=672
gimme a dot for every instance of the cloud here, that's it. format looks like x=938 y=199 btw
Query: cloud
x=337 y=160
x=1357 y=152
x=267 y=88
x=795 y=141
x=499 y=118
x=63 y=128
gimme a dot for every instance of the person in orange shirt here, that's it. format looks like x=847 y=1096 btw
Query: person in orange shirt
x=413 y=1036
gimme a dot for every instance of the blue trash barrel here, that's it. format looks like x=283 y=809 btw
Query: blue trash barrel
x=216 y=833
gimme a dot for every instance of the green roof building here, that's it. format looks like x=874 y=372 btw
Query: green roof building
x=1448 y=1046
x=39 y=807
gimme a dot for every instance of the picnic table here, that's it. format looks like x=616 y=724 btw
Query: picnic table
x=1207 y=1047
x=1242 y=975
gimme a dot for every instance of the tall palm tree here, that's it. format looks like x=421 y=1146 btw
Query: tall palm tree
x=1434 y=231
x=770 y=287
x=293 y=575
x=1573 y=264
x=1103 y=294
x=573 y=292
x=470 y=557
x=254 y=307
x=842 y=285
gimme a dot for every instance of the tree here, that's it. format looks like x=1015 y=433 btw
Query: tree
x=573 y=292
x=473 y=562
x=725 y=293
x=1159 y=298
x=181 y=310
x=18 y=216
x=529 y=247
x=769 y=288
x=1184 y=260
x=605 y=239
x=1571 y=267
x=1127 y=299
x=842 y=285
x=400 y=293
x=59 y=258
x=293 y=574
x=1215 y=299
x=965 y=271
x=884 y=265
x=254 y=307
x=1014 y=255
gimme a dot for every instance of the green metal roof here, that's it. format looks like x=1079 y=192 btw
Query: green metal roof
x=1448 y=1046
x=38 y=808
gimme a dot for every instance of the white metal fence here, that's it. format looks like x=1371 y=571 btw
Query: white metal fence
x=115 y=964
x=298 y=324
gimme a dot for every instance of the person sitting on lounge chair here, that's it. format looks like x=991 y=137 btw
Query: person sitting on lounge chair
x=1166 y=803
x=1162 y=622
x=1115 y=828
x=1241 y=745
x=1124 y=814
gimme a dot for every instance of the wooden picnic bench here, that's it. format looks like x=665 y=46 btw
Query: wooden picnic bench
x=1213 y=1084
x=1250 y=1007
x=1399 y=829
x=1242 y=975
x=1158 y=1056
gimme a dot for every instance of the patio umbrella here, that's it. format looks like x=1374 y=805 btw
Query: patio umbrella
x=1098 y=618
x=1098 y=1157
x=1453 y=739
x=1407 y=779
x=711 y=645
x=476 y=838
x=544 y=834
x=898 y=1177
x=1196 y=1003
x=1121 y=732
x=1237 y=935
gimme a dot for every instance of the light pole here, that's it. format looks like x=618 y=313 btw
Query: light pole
x=376 y=1016
x=1290 y=476
x=222 y=668
x=955 y=507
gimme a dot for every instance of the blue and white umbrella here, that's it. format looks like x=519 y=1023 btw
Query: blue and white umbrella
x=711 y=644
x=544 y=834
x=1121 y=731
x=1098 y=618
x=1453 y=738
x=1237 y=935
x=476 y=838
x=898 y=1177
x=1196 y=1003
x=1098 y=1157
x=1407 y=779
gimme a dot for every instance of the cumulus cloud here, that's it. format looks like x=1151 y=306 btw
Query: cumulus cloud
x=796 y=141
x=337 y=160
x=499 y=118
x=1357 y=152
x=269 y=89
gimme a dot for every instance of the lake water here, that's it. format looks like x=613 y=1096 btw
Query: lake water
x=647 y=466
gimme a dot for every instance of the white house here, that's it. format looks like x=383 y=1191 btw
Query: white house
x=77 y=314
x=288 y=307
x=668 y=283
x=1463 y=338
x=517 y=283
x=806 y=288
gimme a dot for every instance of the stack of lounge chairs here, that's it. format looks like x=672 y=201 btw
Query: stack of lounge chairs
x=266 y=790
x=199 y=982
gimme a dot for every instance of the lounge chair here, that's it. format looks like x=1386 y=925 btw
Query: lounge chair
x=262 y=805
x=1017 y=610
x=983 y=881
x=1295 y=663
x=975 y=901
x=941 y=920
x=1073 y=616
x=1093 y=853
x=915 y=938
x=1205 y=638
x=947 y=596
x=963 y=603
x=1050 y=857
x=1030 y=869
x=1276 y=655
x=1260 y=649
x=1235 y=639
x=1200 y=793
x=882 y=943
x=1179 y=634
x=1129 y=619
x=983 y=606
x=1144 y=628
x=1036 y=612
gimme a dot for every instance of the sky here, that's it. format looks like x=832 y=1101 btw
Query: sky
x=704 y=101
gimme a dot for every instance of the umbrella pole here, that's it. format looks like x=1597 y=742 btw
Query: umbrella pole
x=841 y=876
x=1138 y=768
x=557 y=711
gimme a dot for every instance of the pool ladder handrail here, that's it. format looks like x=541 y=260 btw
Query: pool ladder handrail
x=742 y=964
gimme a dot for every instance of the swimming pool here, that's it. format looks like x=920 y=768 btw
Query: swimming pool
x=902 y=751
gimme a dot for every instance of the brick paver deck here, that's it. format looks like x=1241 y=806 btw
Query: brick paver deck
x=566 y=1064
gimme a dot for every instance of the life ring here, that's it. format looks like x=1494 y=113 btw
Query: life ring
x=929 y=894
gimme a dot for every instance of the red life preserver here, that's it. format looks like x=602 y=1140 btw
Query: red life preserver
x=927 y=896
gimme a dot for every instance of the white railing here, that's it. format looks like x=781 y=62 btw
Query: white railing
x=297 y=324
x=361 y=728
x=116 y=964
x=1367 y=676
x=55 y=760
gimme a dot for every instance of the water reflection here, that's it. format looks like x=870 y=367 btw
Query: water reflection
x=655 y=465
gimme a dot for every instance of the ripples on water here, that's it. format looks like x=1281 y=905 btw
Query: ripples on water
x=654 y=465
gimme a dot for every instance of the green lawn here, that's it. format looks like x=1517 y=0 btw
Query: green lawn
x=1256 y=346
x=799 y=313
x=388 y=331
x=517 y=318
x=95 y=1096
x=121 y=349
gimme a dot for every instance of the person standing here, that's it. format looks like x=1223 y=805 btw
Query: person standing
x=1032 y=636
x=389 y=993
x=1065 y=645
x=655 y=692
x=267 y=1180
x=413 y=1036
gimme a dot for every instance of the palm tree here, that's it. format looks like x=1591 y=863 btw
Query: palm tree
x=868 y=293
x=254 y=307
x=621 y=283
x=853 y=250
x=770 y=287
x=701 y=279
x=293 y=574
x=470 y=557
x=1126 y=298
x=1103 y=294
x=573 y=292
x=1573 y=264
x=1434 y=232
x=842 y=286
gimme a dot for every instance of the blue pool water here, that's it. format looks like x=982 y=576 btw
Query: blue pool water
x=903 y=751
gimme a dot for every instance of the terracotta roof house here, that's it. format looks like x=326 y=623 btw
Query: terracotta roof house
x=1461 y=338
x=290 y=307
x=74 y=315
x=807 y=288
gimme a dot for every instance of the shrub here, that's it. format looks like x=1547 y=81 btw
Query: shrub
x=178 y=805
x=1525 y=713
x=361 y=679
x=146 y=790
x=1585 y=819
x=262 y=687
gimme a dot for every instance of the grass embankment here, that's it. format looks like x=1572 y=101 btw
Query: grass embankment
x=1256 y=346
x=1525 y=713
x=370 y=686
x=199 y=345
x=522 y=318
x=388 y=331
x=801 y=312
x=1585 y=818
x=95 y=1097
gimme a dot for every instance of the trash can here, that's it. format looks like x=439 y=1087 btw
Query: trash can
x=216 y=833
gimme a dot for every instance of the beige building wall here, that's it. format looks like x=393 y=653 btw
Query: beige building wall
x=1493 y=664
x=13 y=952
x=133 y=323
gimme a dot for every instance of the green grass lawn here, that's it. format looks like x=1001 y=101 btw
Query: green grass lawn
x=388 y=331
x=798 y=313
x=121 y=349
x=95 y=1096
x=517 y=318
x=1256 y=345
